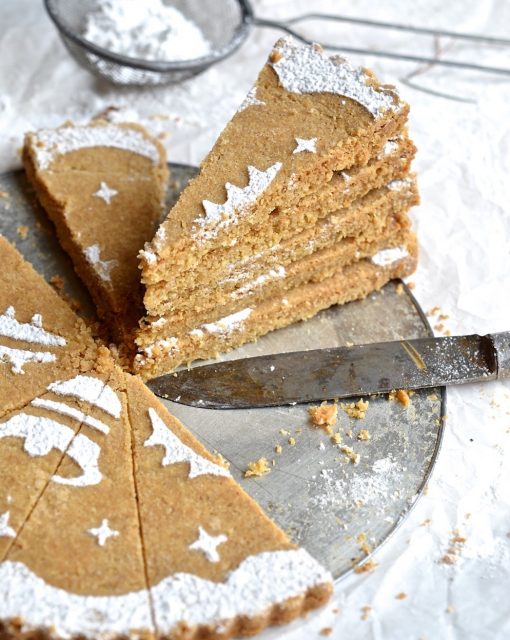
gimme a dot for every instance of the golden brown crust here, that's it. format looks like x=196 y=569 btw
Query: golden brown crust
x=244 y=626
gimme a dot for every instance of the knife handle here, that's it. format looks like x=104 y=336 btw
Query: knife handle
x=501 y=344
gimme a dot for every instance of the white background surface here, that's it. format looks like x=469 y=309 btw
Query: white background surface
x=464 y=230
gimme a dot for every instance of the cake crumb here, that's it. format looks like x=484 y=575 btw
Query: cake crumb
x=439 y=327
x=258 y=468
x=324 y=415
x=57 y=282
x=433 y=311
x=351 y=454
x=399 y=289
x=284 y=432
x=366 y=567
x=401 y=395
x=291 y=441
x=401 y=596
x=22 y=231
x=275 y=56
x=278 y=449
x=326 y=631
x=4 y=194
x=336 y=438
x=411 y=285
x=365 y=612
x=364 y=435
x=454 y=549
x=357 y=410
x=450 y=609
x=363 y=543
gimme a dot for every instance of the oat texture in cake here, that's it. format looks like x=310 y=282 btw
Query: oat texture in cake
x=301 y=204
x=102 y=184
x=116 y=522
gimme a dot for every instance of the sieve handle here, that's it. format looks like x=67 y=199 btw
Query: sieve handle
x=287 y=28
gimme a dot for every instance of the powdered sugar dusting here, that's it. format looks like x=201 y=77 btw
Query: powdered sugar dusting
x=258 y=583
x=249 y=287
x=102 y=267
x=239 y=198
x=337 y=490
x=91 y=390
x=238 y=203
x=28 y=332
x=305 y=68
x=303 y=144
x=148 y=30
x=251 y=100
x=226 y=325
x=18 y=358
x=48 y=144
x=400 y=185
x=388 y=256
x=6 y=531
x=176 y=451
x=66 y=410
x=208 y=544
x=105 y=193
x=41 y=435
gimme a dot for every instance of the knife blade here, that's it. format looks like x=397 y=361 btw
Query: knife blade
x=340 y=372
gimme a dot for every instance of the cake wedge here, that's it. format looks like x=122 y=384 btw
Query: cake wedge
x=308 y=183
x=102 y=184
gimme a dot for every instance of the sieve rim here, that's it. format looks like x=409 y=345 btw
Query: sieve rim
x=239 y=36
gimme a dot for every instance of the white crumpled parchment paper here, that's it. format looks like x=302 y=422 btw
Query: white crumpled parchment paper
x=463 y=225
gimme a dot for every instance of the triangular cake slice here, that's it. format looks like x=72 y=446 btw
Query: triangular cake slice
x=316 y=146
x=102 y=185
x=206 y=541
x=41 y=339
x=310 y=115
x=116 y=522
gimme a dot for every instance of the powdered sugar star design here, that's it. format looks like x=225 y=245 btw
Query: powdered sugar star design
x=305 y=145
x=208 y=544
x=105 y=193
x=103 y=533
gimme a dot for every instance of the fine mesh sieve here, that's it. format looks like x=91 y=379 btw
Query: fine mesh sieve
x=226 y=24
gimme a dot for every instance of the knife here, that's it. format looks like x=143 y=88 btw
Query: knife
x=340 y=372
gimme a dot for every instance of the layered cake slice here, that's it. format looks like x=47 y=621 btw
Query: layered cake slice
x=305 y=189
x=102 y=185
x=116 y=522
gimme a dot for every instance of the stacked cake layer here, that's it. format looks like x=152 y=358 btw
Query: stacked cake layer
x=301 y=204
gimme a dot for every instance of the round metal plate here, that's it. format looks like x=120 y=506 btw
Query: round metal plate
x=340 y=512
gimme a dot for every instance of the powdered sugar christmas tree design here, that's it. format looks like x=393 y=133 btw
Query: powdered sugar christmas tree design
x=31 y=332
x=176 y=451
